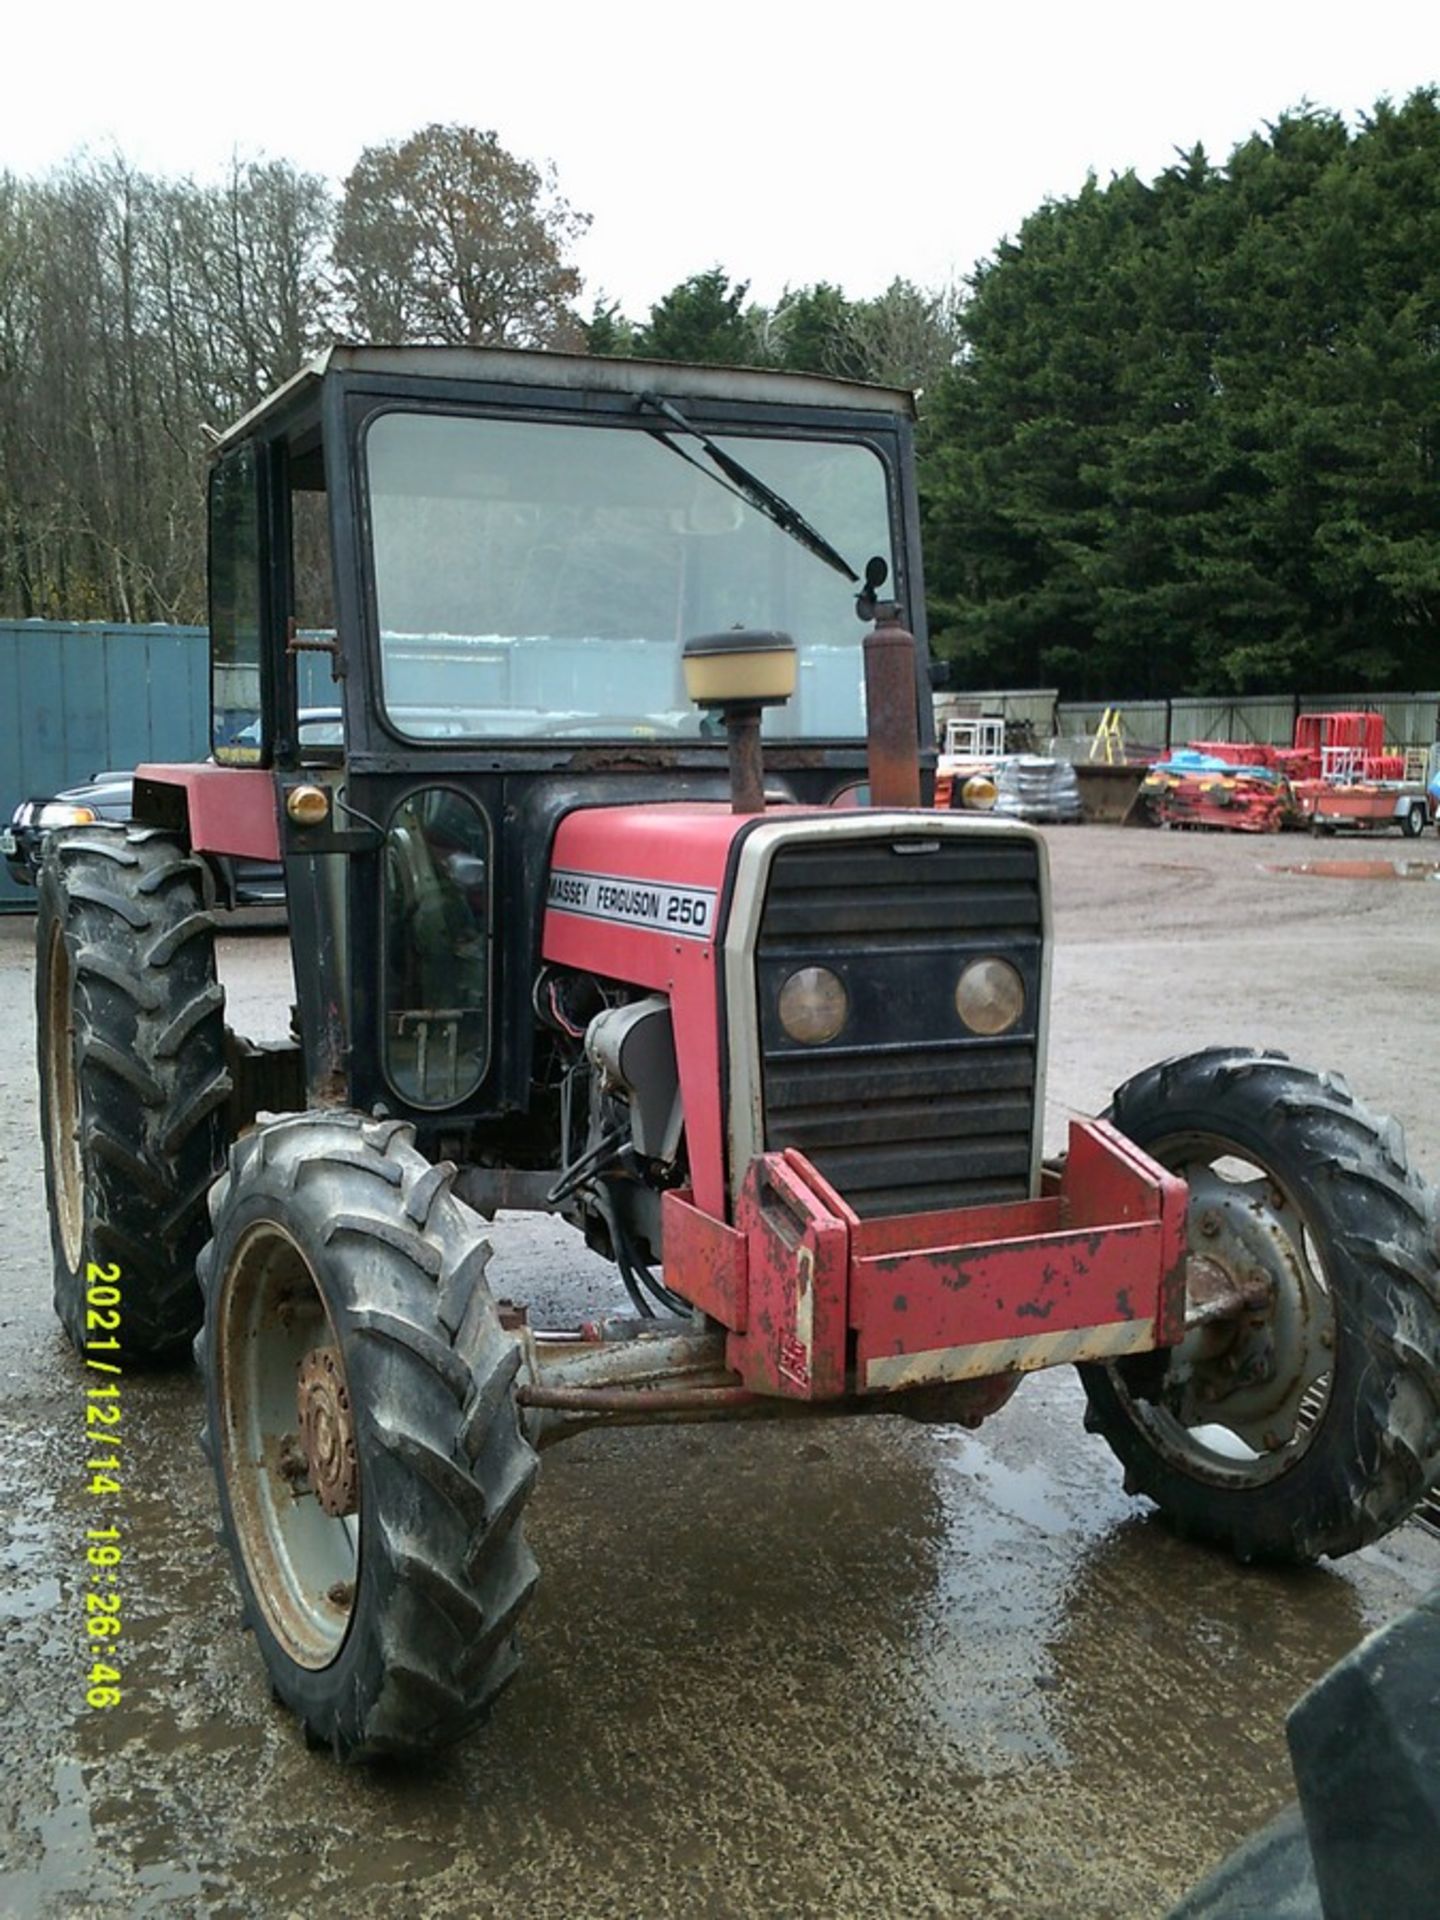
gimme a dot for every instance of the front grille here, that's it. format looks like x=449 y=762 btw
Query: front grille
x=905 y=1110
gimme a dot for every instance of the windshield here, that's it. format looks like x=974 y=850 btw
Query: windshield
x=536 y=579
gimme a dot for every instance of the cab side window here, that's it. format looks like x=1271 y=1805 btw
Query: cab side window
x=235 y=599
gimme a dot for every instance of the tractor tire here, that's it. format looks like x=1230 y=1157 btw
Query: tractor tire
x=362 y=1424
x=133 y=1080
x=1307 y=1424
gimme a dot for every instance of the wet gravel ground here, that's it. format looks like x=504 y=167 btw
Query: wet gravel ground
x=840 y=1668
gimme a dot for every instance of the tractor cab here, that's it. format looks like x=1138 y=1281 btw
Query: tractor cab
x=493 y=560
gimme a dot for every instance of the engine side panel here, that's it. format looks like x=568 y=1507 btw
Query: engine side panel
x=636 y=893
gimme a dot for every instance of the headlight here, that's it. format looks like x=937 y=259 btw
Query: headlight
x=60 y=813
x=813 y=1006
x=979 y=792
x=990 y=996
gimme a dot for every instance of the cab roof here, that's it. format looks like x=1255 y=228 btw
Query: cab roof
x=524 y=367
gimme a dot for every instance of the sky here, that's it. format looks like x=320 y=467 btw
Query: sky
x=787 y=144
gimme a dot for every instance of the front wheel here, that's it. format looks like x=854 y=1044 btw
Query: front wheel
x=361 y=1420
x=1413 y=824
x=1303 y=1417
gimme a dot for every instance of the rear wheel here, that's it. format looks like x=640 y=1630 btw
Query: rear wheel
x=130 y=1023
x=1306 y=1420
x=361 y=1420
x=1414 y=823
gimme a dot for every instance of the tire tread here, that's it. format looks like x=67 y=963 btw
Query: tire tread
x=1350 y=1171
x=151 y=1083
x=432 y=1640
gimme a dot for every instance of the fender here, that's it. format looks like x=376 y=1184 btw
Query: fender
x=232 y=810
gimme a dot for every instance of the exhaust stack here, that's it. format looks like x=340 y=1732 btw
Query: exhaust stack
x=892 y=730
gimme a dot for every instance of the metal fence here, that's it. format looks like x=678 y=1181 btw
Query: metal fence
x=1034 y=706
x=78 y=698
x=1411 y=719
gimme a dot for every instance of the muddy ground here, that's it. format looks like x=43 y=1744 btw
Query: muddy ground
x=840 y=1669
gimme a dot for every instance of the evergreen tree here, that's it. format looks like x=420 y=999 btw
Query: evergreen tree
x=703 y=319
x=1190 y=442
x=607 y=331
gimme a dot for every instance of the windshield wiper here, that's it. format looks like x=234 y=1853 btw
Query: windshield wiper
x=749 y=486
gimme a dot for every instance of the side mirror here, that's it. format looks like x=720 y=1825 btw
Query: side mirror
x=877 y=572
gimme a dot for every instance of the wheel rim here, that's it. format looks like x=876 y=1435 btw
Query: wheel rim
x=67 y=1173
x=1243 y=1396
x=289 y=1459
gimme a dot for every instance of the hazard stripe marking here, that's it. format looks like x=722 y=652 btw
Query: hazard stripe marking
x=1109 y=1342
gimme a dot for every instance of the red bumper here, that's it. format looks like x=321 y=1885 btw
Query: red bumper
x=821 y=1303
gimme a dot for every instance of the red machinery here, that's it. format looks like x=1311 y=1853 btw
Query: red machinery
x=1351 y=781
x=795 y=1272
x=1345 y=747
x=1336 y=774
x=1204 y=787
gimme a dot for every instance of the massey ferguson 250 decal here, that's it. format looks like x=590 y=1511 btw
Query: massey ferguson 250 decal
x=634 y=903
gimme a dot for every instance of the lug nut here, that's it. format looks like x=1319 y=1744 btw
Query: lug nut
x=291 y=1461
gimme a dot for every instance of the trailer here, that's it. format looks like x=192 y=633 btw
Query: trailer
x=1362 y=806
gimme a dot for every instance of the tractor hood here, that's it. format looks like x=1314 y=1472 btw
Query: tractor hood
x=716 y=910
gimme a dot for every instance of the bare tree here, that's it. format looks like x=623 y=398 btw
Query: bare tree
x=906 y=336
x=132 y=312
x=447 y=237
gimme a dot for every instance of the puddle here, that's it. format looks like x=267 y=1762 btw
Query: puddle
x=27 y=1592
x=1363 y=869
x=69 y=1871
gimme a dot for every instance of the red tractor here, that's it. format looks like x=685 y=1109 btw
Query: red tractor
x=771 y=1036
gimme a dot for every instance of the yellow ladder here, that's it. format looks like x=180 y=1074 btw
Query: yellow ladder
x=1109 y=738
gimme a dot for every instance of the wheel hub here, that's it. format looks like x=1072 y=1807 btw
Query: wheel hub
x=327 y=1431
x=1252 y=1354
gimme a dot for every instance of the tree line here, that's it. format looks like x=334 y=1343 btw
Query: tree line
x=1176 y=436
x=1191 y=442
x=139 y=315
